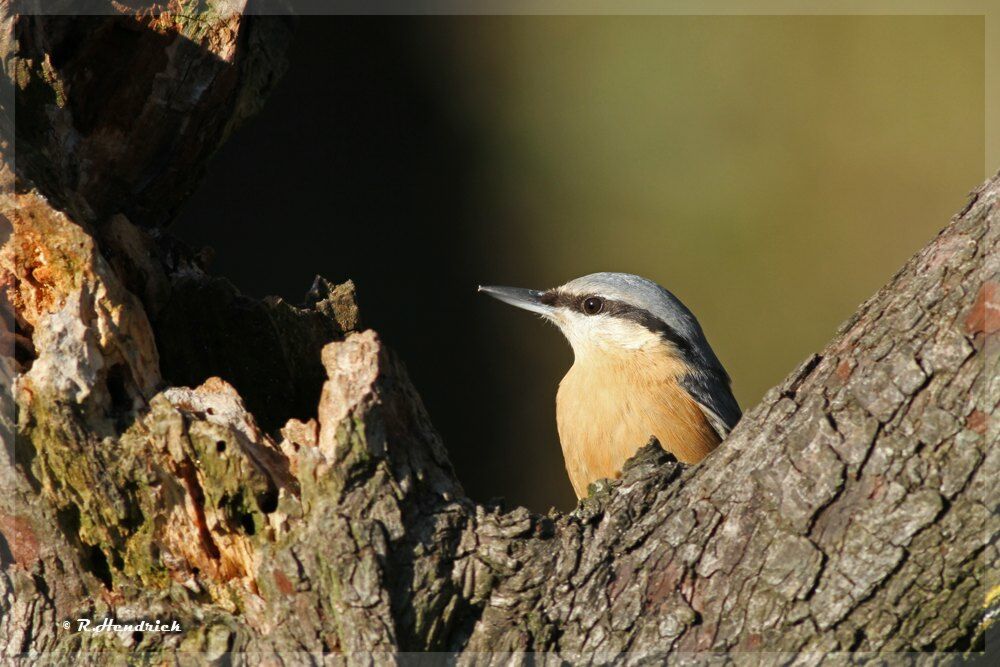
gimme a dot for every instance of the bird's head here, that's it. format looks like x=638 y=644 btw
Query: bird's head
x=612 y=313
x=615 y=315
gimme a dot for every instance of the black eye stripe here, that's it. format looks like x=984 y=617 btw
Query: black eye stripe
x=656 y=325
x=613 y=308
x=554 y=298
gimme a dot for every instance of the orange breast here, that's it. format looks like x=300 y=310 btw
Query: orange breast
x=609 y=405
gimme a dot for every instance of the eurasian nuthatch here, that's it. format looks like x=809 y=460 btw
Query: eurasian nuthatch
x=642 y=368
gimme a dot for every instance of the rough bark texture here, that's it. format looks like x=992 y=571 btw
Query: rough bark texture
x=854 y=509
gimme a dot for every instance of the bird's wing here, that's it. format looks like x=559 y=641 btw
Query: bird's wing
x=716 y=400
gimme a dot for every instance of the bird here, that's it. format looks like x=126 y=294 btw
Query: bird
x=642 y=369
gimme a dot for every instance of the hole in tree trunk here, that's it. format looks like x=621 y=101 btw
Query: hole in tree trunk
x=95 y=562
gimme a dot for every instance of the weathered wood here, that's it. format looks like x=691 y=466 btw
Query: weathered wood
x=854 y=509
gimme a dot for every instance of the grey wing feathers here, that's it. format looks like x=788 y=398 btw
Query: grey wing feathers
x=715 y=398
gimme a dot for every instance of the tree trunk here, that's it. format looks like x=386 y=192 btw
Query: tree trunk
x=854 y=509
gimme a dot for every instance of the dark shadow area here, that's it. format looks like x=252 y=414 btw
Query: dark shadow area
x=127 y=123
x=355 y=169
x=269 y=351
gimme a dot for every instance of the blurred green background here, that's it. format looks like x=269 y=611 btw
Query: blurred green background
x=773 y=172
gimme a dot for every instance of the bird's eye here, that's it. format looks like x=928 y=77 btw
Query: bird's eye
x=593 y=305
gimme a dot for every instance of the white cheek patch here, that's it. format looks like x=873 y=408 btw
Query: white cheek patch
x=603 y=332
x=615 y=331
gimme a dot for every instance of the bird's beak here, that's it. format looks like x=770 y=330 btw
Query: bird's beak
x=527 y=299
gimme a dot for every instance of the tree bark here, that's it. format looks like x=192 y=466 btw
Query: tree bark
x=297 y=505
